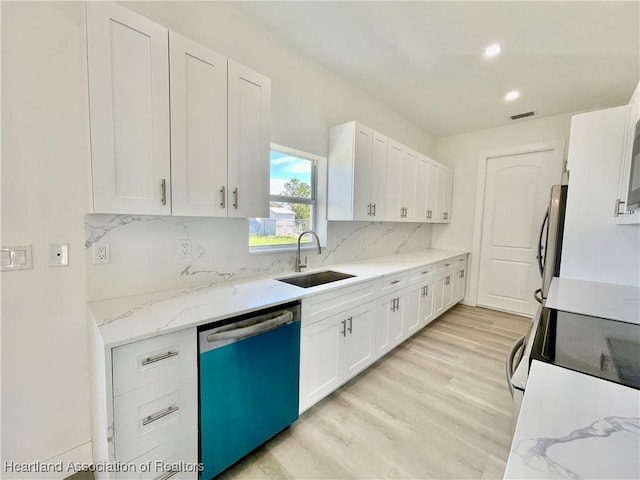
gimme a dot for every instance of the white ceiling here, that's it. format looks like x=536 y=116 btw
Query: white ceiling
x=424 y=59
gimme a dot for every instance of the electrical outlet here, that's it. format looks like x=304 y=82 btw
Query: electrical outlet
x=101 y=253
x=184 y=248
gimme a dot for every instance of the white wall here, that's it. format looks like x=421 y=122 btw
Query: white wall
x=45 y=377
x=307 y=99
x=462 y=153
x=594 y=247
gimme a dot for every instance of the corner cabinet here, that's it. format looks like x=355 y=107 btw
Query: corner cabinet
x=372 y=177
x=213 y=161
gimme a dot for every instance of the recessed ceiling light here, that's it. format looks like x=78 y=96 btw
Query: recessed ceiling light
x=492 y=50
x=512 y=95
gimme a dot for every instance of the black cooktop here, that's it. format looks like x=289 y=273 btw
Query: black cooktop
x=601 y=347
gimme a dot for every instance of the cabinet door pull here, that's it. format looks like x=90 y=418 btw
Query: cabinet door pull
x=162 y=413
x=461 y=274
x=169 y=475
x=350 y=320
x=344 y=328
x=374 y=209
x=426 y=290
x=223 y=196
x=445 y=216
x=447 y=280
x=393 y=282
x=369 y=209
x=235 y=198
x=163 y=191
x=157 y=358
x=424 y=272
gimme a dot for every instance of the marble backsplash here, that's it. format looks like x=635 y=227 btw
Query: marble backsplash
x=144 y=251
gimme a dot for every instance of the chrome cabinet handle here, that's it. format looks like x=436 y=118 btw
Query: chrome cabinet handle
x=426 y=290
x=157 y=358
x=447 y=264
x=350 y=320
x=168 y=475
x=424 y=272
x=447 y=280
x=429 y=213
x=223 y=196
x=445 y=216
x=393 y=282
x=369 y=209
x=163 y=191
x=617 y=211
x=461 y=274
x=344 y=328
x=162 y=413
x=374 y=209
x=235 y=198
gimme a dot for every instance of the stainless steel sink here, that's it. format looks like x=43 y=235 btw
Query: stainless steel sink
x=315 y=279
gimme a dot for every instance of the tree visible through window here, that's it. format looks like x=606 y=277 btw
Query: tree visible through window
x=292 y=200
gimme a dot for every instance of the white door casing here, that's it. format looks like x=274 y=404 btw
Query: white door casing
x=515 y=196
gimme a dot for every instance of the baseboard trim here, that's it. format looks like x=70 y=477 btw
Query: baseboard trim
x=62 y=465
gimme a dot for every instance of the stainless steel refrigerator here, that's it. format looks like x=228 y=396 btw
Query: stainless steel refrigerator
x=550 y=243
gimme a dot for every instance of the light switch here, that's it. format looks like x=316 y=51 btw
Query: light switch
x=20 y=258
x=17 y=258
x=6 y=257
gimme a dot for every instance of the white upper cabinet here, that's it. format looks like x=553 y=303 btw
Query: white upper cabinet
x=408 y=197
x=445 y=178
x=129 y=109
x=622 y=214
x=431 y=191
x=378 y=195
x=357 y=173
x=249 y=127
x=395 y=163
x=214 y=161
x=198 y=128
x=374 y=178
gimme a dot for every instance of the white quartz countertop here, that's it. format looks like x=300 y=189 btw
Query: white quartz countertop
x=606 y=300
x=128 y=319
x=574 y=426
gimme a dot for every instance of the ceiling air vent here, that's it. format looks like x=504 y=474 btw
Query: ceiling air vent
x=522 y=115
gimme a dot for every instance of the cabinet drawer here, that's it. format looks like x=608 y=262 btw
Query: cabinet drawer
x=451 y=263
x=420 y=273
x=146 y=417
x=327 y=304
x=175 y=454
x=393 y=282
x=167 y=358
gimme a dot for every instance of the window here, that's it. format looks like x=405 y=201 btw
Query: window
x=292 y=200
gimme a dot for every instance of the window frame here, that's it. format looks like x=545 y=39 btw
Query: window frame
x=315 y=161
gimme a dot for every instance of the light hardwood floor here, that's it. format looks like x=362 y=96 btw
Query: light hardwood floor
x=435 y=407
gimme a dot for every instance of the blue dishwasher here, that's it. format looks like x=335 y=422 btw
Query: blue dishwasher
x=249 y=377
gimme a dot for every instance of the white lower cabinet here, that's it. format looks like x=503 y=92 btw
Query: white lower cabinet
x=164 y=462
x=155 y=401
x=332 y=350
x=460 y=279
x=345 y=331
x=388 y=324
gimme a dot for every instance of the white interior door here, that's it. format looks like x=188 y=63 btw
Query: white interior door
x=517 y=192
